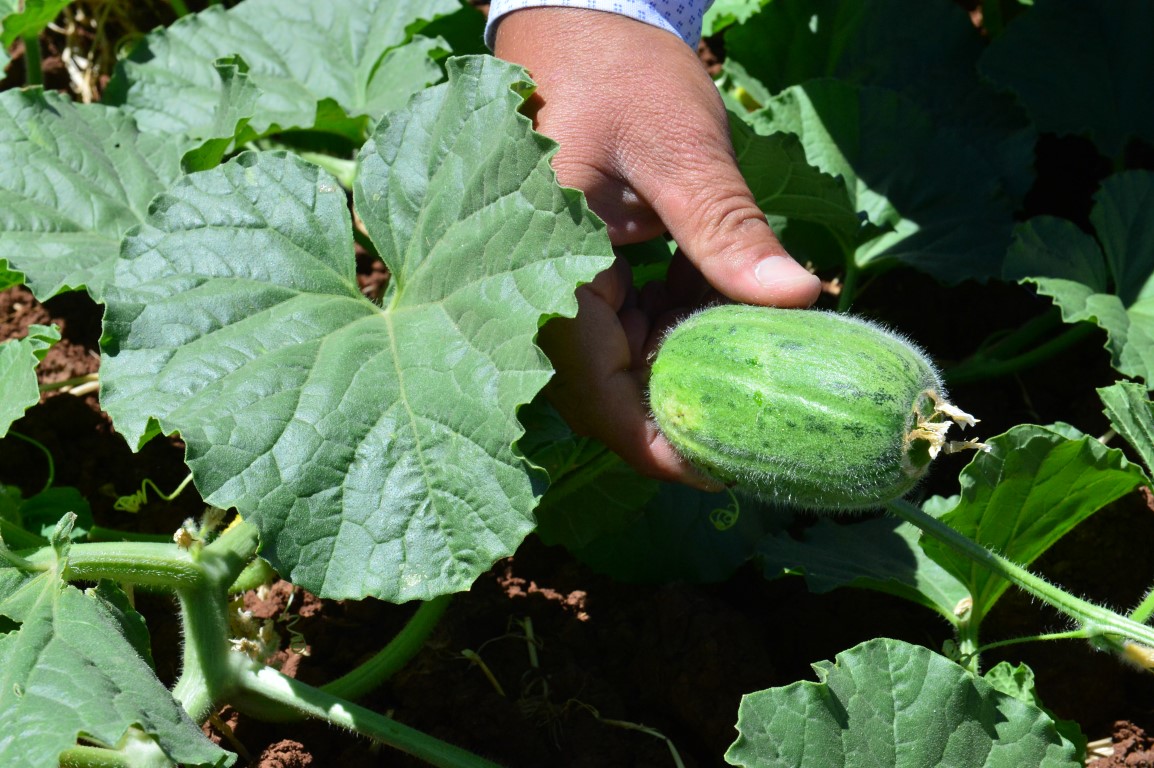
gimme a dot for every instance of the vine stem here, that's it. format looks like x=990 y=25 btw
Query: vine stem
x=75 y=381
x=33 y=73
x=47 y=455
x=268 y=685
x=1098 y=622
x=979 y=368
x=395 y=655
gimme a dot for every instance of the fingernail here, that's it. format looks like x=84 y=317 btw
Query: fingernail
x=782 y=272
x=785 y=283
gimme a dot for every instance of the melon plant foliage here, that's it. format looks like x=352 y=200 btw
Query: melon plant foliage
x=396 y=446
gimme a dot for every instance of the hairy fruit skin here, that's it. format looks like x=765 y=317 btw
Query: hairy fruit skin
x=816 y=409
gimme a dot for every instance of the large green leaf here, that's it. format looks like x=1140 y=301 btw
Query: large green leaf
x=1082 y=68
x=634 y=528
x=786 y=186
x=927 y=51
x=19 y=389
x=678 y=534
x=361 y=56
x=952 y=222
x=372 y=446
x=73 y=179
x=67 y=670
x=881 y=554
x=1108 y=277
x=1030 y=488
x=888 y=703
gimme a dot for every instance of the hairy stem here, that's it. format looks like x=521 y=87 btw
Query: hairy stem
x=268 y=686
x=1096 y=620
x=93 y=757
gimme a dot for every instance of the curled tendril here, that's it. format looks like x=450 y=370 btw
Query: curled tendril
x=724 y=518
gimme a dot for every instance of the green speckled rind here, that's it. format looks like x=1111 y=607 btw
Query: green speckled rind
x=805 y=407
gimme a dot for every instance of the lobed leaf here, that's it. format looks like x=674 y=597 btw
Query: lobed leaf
x=785 y=185
x=73 y=179
x=372 y=446
x=880 y=554
x=1032 y=487
x=1081 y=68
x=19 y=389
x=928 y=52
x=1106 y=278
x=953 y=224
x=888 y=703
x=68 y=671
x=363 y=57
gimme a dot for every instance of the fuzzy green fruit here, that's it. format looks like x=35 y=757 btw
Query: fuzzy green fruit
x=816 y=409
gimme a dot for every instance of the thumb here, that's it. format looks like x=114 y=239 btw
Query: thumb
x=710 y=212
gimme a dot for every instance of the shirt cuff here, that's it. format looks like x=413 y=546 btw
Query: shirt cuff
x=681 y=17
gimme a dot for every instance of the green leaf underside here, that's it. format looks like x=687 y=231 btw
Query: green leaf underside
x=953 y=224
x=1108 y=278
x=1032 y=487
x=1081 y=68
x=888 y=703
x=364 y=58
x=680 y=534
x=928 y=52
x=68 y=671
x=1019 y=682
x=881 y=554
x=1131 y=414
x=19 y=390
x=73 y=179
x=372 y=447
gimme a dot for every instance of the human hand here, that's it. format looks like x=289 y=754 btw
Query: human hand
x=644 y=135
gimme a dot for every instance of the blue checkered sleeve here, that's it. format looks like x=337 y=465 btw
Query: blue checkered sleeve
x=681 y=17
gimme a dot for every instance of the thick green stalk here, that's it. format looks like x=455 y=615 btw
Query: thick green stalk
x=207 y=673
x=146 y=563
x=1098 y=621
x=93 y=757
x=209 y=669
x=267 y=685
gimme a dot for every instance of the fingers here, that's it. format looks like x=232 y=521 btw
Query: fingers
x=599 y=388
x=692 y=182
